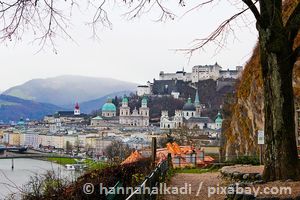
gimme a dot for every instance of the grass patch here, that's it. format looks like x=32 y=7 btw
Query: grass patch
x=92 y=165
x=62 y=161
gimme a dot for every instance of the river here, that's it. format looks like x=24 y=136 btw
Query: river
x=23 y=170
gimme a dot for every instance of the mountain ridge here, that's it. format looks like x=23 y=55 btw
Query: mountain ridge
x=68 y=89
x=14 y=108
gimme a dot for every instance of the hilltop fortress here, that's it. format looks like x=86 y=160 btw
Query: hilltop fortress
x=202 y=72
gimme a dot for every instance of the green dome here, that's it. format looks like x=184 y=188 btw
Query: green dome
x=219 y=118
x=189 y=106
x=21 y=122
x=109 y=106
x=125 y=100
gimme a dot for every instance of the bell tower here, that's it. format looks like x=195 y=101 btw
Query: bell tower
x=77 y=109
x=197 y=104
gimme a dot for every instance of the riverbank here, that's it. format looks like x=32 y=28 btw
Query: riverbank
x=62 y=161
x=91 y=165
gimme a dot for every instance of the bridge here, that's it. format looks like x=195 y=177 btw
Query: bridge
x=24 y=152
x=13 y=148
x=38 y=156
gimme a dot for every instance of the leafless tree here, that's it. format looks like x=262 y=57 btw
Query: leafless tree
x=278 y=54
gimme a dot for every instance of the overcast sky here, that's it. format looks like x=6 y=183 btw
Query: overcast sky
x=135 y=50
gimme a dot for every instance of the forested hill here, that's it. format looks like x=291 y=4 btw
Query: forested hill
x=13 y=108
x=212 y=93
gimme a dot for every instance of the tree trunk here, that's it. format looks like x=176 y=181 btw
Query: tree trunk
x=281 y=159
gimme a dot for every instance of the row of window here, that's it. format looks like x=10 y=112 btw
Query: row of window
x=127 y=113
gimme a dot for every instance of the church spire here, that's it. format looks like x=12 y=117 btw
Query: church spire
x=76 y=109
x=197 y=101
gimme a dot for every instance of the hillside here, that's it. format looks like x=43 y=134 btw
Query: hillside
x=13 y=108
x=212 y=93
x=95 y=104
x=240 y=127
x=66 y=90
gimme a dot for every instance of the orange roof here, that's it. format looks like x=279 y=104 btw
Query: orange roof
x=170 y=148
x=134 y=156
x=176 y=148
x=186 y=150
x=208 y=159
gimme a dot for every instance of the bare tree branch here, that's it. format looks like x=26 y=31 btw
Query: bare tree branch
x=41 y=17
x=225 y=25
x=254 y=10
x=140 y=9
x=196 y=7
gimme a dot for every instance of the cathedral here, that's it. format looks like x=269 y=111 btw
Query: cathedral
x=137 y=117
x=190 y=115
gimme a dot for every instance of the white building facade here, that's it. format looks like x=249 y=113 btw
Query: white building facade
x=137 y=117
x=190 y=116
x=202 y=72
x=144 y=90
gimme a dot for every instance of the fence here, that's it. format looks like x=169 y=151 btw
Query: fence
x=145 y=190
x=189 y=160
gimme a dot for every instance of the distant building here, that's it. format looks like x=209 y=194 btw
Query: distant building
x=11 y=138
x=137 y=117
x=60 y=118
x=190 y=115
x=175 y=94
x=29 y=139
x=109 y=109
x=202 y=72
x=174 y=122
x=144 y=90
x=97 y=121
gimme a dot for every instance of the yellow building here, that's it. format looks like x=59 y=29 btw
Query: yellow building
x=71 y=139
x=57 y=141
x=91 y=142
x=1 y=135
x=14 y=139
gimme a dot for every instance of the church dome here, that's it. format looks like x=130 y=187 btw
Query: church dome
x=125 y=100
x=219 y=118
x=109 y=106
x=189 y=106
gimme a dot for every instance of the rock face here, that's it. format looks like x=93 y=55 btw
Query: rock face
x=240 y=128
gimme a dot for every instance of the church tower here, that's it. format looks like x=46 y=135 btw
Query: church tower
x=144 y=112
x=124 y=112
x=77 y=109
x=219 y=121
x=125 y=109
x=197 y=105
